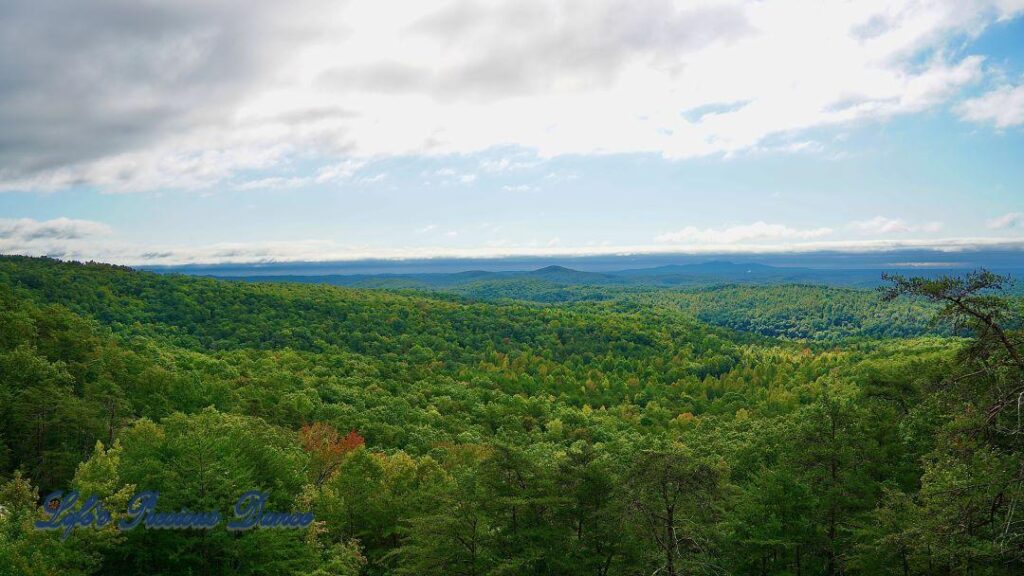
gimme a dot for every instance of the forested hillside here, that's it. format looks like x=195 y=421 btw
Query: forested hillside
x=811 y=312
x=794 y=311
x=440 y=434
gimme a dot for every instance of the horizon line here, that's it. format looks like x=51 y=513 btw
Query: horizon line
x=317 y=253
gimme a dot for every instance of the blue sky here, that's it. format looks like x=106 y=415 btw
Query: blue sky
x=491 y=129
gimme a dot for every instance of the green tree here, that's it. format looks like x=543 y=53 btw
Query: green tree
x=676 y=497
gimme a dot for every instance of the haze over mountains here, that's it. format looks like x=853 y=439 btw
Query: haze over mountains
x=861 y=270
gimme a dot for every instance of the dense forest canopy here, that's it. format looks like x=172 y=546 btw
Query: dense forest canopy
x=802 y=311
x=515 y=427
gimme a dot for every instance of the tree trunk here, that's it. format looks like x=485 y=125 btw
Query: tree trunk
x=670 y=541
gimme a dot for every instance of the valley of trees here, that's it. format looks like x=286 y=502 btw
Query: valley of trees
x=778 y=430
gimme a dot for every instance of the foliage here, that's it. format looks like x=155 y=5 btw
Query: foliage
x=436 y=434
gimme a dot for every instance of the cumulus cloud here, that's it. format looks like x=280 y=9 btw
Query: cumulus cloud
x=1002 y=107
x=758 y=231
x=1009 y=220
x=883 y=225
x=128 y=96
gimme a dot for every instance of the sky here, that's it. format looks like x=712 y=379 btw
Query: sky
x=207 y=131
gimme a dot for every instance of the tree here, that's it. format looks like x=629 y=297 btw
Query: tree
x=675 y=496
x=327 y=449
x=970 y=302
x=594 y=511
x=772 y=522
x=974 y=476
x=453 y=534
x=836 y=455
x=25 y=551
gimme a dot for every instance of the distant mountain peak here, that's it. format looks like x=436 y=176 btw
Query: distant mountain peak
x=555 y=269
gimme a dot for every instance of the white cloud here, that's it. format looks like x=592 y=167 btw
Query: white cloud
x=562 y=176
x=59 y=237
x=806 y=146
x=209 y=90
x=757 y=231
x=341 y=171
x=883 y=225
x=434 y=229
x=273 y=183
x=452 y=176
x=330 y=174
x=506 y=165
x=1002 y=107
x=376 y=178
x=28 y=230
x=1009 y=220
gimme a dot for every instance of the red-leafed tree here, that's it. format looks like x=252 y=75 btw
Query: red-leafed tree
x=328 y=448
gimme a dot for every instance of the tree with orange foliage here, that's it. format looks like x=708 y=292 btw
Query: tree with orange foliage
x=327 y=448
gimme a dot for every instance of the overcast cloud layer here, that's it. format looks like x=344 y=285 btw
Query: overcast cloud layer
x=119 y=96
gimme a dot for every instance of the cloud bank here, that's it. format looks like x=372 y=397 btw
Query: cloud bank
x=72 y=239
x=323 y=251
